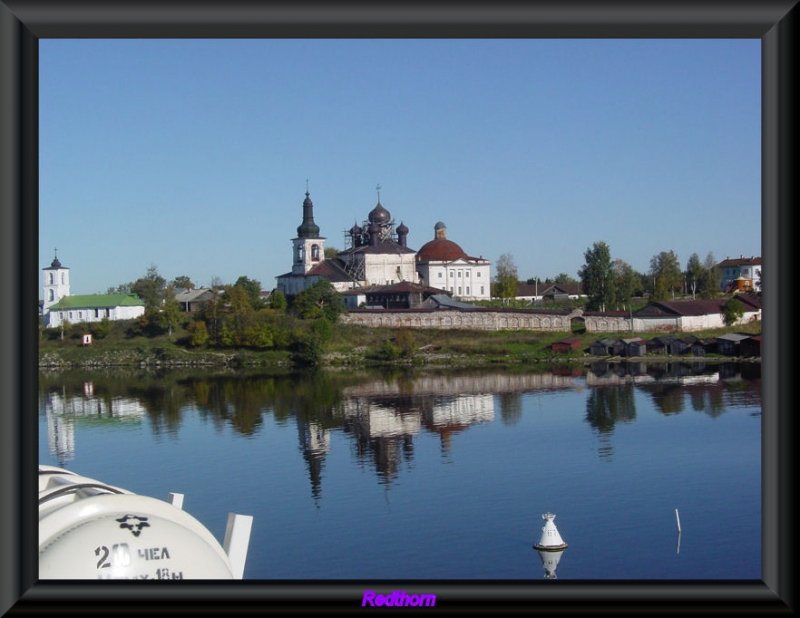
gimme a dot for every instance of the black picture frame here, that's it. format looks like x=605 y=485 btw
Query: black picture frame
x=24 y=22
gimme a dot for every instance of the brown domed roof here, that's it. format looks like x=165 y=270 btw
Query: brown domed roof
x=440 y=249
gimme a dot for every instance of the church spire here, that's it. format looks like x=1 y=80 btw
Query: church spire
x=55 y=263
x=308 y=229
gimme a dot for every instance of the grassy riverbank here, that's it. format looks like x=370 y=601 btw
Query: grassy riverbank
x=349 y=346
x=464 y=348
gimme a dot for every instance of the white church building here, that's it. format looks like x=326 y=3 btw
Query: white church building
x=441 y=263
x=377 y=255
x=59 y=307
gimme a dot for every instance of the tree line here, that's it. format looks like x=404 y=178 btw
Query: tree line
x=610 y=284
x=236 y=315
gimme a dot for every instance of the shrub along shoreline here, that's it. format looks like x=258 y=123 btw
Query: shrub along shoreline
x=356 y=346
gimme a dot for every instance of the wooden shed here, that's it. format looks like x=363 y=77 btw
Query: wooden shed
x=617 y=348
x=570 y=344
x=701 y=347
x=680 y=346
x=601 y=347
x=729 y=344
x=751 y=346
x=633 y=347
x=660 y=344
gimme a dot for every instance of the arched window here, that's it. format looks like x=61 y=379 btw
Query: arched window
x=52 y=278
x=52 y=295
x=315 y=252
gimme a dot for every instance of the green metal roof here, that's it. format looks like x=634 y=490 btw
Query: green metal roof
x=98 y=301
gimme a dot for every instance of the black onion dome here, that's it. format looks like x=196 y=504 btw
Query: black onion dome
x=402 y=229
x=379 y=215
x=55 y=263
x=308 y=229
x=355 y=230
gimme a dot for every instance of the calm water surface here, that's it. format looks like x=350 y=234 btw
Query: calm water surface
x=438 y=475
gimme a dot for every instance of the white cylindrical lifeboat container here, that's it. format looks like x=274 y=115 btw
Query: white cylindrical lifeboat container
x=551 y=540
x=90 y=530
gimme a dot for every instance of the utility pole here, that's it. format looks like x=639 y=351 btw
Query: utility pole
x=630 y=306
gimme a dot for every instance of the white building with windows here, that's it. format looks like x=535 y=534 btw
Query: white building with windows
x=742 y=274
x=443 y=264
x=55 y=284
x=59 y=307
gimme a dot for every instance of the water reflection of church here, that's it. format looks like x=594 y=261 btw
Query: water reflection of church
x=64 y=411
x=383 y=429
x=384 y=420
x=385 y=417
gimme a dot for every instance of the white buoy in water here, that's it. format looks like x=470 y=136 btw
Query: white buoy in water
x=550 y=562
x=551 y=540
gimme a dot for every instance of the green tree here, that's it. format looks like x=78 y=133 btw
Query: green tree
x=661 y=290
x=145 y=325
x=259 y=336
x=505 y=279
x=240 y=318
x=405 y=341
x=252 y=289
x=667 y=275
x=320 y=300
x=170 y=314
x=564 y=278
x=732 y=312
x=183 y=282
x=694 y=274
x=277 y=300
x=198 y=333
x=100 y=329
x=281 y=326
x=597 y=276
x=211 y=312
x=124 y=288
x=150 y=288
x=624 y=283
x=309 y=346
x=710 y=286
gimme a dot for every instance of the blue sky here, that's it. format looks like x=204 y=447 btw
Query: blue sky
x=193 y=155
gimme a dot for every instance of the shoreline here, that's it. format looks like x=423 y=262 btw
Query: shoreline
x=233 y=360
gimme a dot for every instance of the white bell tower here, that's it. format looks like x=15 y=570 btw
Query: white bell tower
x=55 y=284
x=309 y=246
